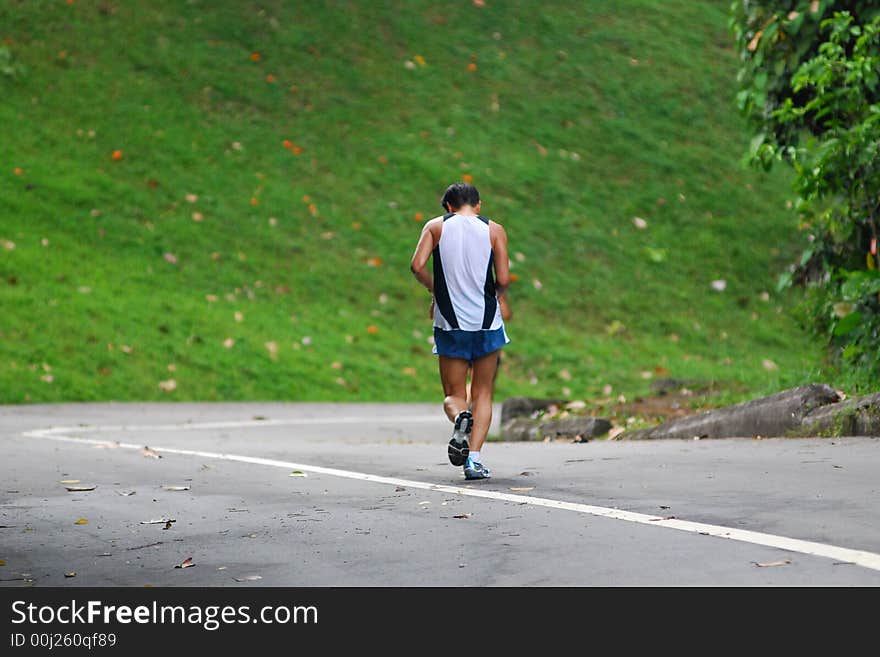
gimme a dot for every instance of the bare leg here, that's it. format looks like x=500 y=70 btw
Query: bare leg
x=482 y=389
x=453 y=376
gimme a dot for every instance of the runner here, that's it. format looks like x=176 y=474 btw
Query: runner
x=471 y=274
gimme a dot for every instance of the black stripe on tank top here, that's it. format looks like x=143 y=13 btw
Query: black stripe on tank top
x=441 y=292
x=489 y=294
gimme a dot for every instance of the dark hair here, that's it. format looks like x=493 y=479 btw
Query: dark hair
x=458 y=195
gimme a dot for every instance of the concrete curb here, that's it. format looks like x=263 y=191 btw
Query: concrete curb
x=776 y=415
x=579 y=429
x=859 y=416
x=519 y=422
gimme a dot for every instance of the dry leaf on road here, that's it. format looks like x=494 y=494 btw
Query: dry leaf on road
x=175 y=487
x=75 y=488
x=146 y=451
x=768 y=564
x=82 y=521
x=186 y=563
x=522 y=488
x=462 y=516
x=248 y=578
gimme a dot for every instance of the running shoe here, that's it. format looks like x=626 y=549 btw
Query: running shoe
x=474 y=470
x=458 y=446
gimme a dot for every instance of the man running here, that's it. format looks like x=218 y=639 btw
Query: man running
x=471 y=273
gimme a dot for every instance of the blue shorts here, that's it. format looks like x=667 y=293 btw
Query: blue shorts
x=469 y=345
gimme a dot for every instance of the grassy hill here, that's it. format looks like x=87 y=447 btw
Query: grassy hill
x=206 y=201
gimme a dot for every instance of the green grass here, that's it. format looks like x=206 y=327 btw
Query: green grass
x=578 y=117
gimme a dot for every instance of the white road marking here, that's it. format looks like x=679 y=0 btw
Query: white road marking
x=858 y=557
x=231 y=424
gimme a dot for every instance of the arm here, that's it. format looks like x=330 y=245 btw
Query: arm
x=419 y=263
x=506 y=312
x=498 y=239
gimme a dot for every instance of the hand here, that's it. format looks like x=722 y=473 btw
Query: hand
x=506 y=313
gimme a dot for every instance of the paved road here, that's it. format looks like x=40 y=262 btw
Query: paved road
x=376 y=503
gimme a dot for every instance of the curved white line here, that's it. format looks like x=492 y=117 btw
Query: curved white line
x=862 y=558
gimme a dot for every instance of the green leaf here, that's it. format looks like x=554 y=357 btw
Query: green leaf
x=851 y=351
x=784 y=281
x=806 y=255
x=860 y=284
x=756 y=143
x=655 y=255
x=848 y=324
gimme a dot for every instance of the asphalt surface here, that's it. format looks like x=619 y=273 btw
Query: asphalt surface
x=250 y=523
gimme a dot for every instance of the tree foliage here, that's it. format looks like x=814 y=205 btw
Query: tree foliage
x=810 y=88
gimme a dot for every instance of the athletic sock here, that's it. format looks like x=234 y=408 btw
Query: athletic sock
x=474 y=456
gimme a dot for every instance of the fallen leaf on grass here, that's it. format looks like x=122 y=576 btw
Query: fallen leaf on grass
x=168 y=386
x=147 y=452
x=768 y=564
x=297 y=473
x=248 y=578
x=80 y=488
x=175 y=487
x=186 y=563
x=81 y=521
x=522 y=488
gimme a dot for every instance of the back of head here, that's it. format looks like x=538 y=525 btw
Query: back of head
x=458 y=195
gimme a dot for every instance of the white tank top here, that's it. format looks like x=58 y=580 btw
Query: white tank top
x=464 y=276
